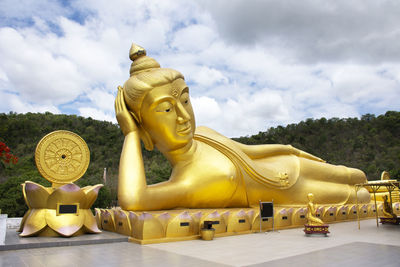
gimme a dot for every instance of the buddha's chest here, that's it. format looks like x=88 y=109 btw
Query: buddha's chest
x=208 y=168
x=211 y=179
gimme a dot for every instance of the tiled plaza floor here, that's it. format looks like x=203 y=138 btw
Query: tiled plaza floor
x=346 y=246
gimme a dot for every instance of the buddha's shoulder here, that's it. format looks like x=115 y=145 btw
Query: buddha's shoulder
x=217 y=141
x=210 y=133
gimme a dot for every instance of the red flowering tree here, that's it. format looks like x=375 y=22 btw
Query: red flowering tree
x=5 y=155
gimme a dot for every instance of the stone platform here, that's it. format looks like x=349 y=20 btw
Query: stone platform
x=346 y=246
x=14 y=242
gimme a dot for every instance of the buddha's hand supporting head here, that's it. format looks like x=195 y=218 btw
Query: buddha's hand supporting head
x=124 y=116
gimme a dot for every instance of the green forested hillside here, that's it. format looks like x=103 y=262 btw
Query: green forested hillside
x=370 y=143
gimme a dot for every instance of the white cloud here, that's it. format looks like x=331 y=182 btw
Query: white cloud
x=313 y=31
x=102 y=99
x=209 y=76
x=16 y=104
x=34 y=72
x=193 y=38
x=249 y=65
x=96 y=114
x=23 y=11
x=207 y=110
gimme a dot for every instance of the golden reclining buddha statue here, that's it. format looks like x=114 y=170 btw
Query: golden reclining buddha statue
x=210 y=170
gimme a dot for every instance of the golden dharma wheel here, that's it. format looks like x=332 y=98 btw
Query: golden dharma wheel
x=62 y=157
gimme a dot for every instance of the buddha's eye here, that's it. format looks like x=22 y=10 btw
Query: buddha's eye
x=185 y=98
x=165 y=107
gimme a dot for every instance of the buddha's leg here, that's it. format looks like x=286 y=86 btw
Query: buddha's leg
x=386 y=214
x=330 y=184
x=331 y=173
x=314 y=221
x=337 y=178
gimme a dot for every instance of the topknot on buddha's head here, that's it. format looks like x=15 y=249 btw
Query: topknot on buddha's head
x=145 y=74
x=141 y=62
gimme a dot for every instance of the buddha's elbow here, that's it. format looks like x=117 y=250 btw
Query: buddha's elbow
x=292 y=150
x=128 y=202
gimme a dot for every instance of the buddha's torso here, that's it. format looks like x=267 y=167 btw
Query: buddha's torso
x=216 y=176
x=210 y=178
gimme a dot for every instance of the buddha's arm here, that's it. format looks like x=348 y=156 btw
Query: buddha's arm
x=131 y=179
x=255 y=151
x=268 y=150
x=133 y=192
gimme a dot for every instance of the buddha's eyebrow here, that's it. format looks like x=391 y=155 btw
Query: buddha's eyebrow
x=161 y=100
x=185 y=90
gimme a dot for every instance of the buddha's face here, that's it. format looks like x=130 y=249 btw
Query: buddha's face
x=167 y=116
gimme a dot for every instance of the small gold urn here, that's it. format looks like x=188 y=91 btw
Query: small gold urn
x=207 y=232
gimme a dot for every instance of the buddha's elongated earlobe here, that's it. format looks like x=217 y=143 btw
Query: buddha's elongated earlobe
x=144 y=135
x=146 y=139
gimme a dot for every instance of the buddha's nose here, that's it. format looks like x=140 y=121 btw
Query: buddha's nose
x=183 y=115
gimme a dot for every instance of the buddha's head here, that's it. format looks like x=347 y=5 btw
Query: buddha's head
x=310 y=197
x=158 y=99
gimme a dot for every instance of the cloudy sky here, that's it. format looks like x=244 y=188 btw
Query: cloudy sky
x=250 y=65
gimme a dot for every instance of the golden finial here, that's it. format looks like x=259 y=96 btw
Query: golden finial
x=140 y=62
x=136 y=51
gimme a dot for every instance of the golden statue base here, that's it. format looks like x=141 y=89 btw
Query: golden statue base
x=147 y=227
x=63 y=211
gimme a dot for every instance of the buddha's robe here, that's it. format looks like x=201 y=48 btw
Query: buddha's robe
x=285 y=176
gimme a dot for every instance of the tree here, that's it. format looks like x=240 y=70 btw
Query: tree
x=5 y=155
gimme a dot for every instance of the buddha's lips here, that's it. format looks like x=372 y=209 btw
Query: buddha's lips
x=185 y=130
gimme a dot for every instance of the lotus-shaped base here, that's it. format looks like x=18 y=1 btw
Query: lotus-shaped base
x=61 y=211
